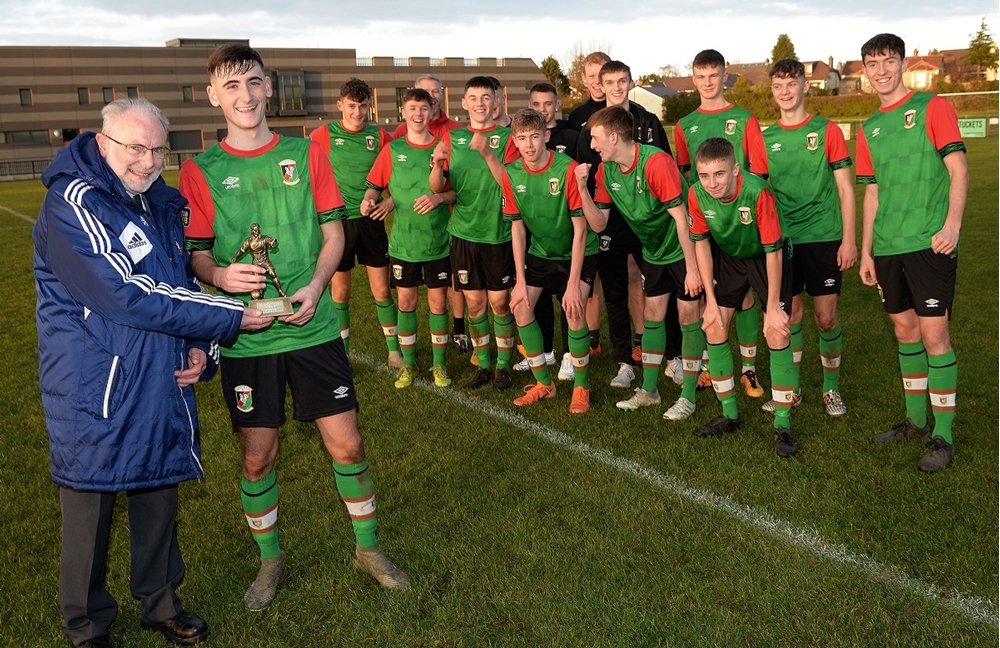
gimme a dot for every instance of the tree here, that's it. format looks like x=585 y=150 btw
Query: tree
x=982 y=51
x=668 y=70
x=646 y=79
x=553 y=72
x=576 y=56
x=783 y=49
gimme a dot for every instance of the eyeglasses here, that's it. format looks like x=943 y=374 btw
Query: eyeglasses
x=138 y=150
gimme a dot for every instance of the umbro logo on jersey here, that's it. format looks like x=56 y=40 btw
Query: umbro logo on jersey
x=135 y=242
x=461 y=141
x=876 y=132
x=520 y=188
x=339 y=141
x=709 y=213
x=829 y=282
x=232 y=182
x=776 y=146
x=615 y=186
x=401 y=158
x=341 y=392
x=694 y=129
x=932 y=303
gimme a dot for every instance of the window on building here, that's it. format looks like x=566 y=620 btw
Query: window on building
x=291 y=92
x=133 y=92
x=25 y=137
x=109 y=95
x=26 y=98
x=400 y=93
x=83 y=96
x=188 y=94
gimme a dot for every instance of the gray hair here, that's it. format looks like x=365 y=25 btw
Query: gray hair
x=428 y=76
x=112 y=112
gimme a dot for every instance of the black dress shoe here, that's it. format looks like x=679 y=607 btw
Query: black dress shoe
x=97 y=642
x=185 y=629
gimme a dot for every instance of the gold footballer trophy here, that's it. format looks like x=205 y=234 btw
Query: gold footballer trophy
x=257 y=244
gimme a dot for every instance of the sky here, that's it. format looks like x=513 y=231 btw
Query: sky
x=649 y=35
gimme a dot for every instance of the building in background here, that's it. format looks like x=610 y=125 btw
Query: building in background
x=48 y=95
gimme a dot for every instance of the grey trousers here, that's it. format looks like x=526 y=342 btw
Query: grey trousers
x=156 y=565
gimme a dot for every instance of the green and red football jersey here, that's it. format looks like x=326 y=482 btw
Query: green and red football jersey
x=477 y=215
x=735 y=124
x=352 y=154
x=744 y=227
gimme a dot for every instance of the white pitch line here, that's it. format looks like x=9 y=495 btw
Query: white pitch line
x=18 y=214
x=975 y=608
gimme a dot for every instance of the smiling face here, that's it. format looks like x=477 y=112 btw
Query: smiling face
x=885 y=73
x=546 y=103
x=417 y=115
x=480 y=103
x=616 y=86
x=719 y=177
x=709 y=81
x=355 y=113
x=789 y=92
x=603 y=142
x=592 y=79
x=242 y=97
x=137 y=173
x=434 y=88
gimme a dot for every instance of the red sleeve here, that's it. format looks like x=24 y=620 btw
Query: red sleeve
x=942 y=124
x=383 y=138
x=601 y=196
x=696 y=221
x=511 y=153
x=326 y=193
x=573 y=198
x=835 y=146
x=663 y=177
x=194 y=187
x=399 y=132
x=683 y=156
x=864 y=166
x=753 y=146
x=381 y=170
x=509 y=204
x=768 y=224
x=321 y=136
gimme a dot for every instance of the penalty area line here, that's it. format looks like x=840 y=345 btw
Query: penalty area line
x=18 y=214
x=975 y=608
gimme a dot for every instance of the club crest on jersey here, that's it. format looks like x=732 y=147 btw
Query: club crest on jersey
x=370 y=142
x=730 y=127
x=560 y=148
x=289 y=172
x=909 y=118
x=494 y=141
x=463 y=276
x=397 y=272
x=244 y=398
x=745 y=217
x=812 y=141
x=638 y=183
x=553 y=186
x=605 y=244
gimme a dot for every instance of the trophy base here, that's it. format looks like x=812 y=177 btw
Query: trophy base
x=274 y=307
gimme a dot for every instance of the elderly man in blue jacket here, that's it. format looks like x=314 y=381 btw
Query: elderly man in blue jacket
x=124 y=332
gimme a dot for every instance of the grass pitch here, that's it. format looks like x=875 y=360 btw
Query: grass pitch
x=531 y=527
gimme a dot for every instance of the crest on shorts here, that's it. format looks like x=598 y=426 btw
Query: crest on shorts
x=745 y=216
x=881 y=295
x=397 y=272
x=605 y=244
x=909 y=118
x=289 y=172
x=812 y=141
x=642 y=282
x=463 y=276
x=370 y=142
x=244 y=398
x=554 y=186
x=730 y=127
x=494 y=141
